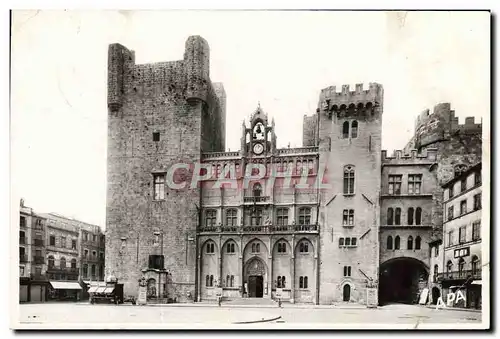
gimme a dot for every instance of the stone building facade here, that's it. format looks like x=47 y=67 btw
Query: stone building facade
x=313 y=221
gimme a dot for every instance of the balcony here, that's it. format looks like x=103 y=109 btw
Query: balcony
x=261 y=229
x=256 y=199
x=39 y=242
x=23 y=258
x=38 y=260
x=55 y=269
x=459 y=275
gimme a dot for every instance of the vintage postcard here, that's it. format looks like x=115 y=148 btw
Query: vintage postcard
x=250 y=169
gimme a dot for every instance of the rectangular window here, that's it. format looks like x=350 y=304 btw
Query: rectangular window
x=63 y=242
x=450 y=238
x=210 y=218
x=86 y=254
x=463 y=207
x=414 y=183
x=52 y=240
x=461 y=234
x=476 y=231
x=436 y=250
x=159 y=186
x=73 y=244
x=256 y=217
x=450 y=212
x=94 y=237
x=156 y=136
x=395 y=184
x=94 y=255
x=156 y=262
x=22 y=221
x=450 y=192
x=477 y=202
x=347 y=271
x=463 y=185
x=477 y=178
x=282 y=216
x=348 y=218
x=349 y=180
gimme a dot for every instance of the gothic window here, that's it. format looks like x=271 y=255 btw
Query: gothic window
x=389 y=242
x=397 y=216
x=303 y=247
x=418 y=242
x=304 y=216
x=345 y=130
x=256 y=217
x=397 y=242
x=281 y=247
x=349 y=179
x=354 y=129
x=390 y=216
x=257 y=189
x=210 y=218
x=410 y=216
x=159 y=186
x=231 y=217
x=210 y=248
x=282 y=216
x=230 y=247
x=418 y=216
x=410 y=242
x=255 y=248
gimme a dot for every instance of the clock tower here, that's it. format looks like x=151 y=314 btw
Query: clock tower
x=260 y=139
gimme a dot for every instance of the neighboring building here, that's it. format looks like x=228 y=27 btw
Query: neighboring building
x=62 y=257
x=461 y=265
x=322 y=244
x=91 y=249
x=31 y=255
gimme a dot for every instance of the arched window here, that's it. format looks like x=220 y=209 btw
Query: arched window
x=303 y=247
x=92 y=271
x=410 y=216
x=207 y=280
x=210 y=218
x=418 y=216
x=231 y=217
x=228 y=281
x=62 y=263
x=257 y=189
x=418 y=242
x=301 y=282
x=230 y=247
x=51 y=261
x=279 y=282
x=345 y=130
x=410 y=242
x=354 y=129
x=349 y=179
x=211 y=280
x=390 y=216
x=397 y=216
x=254 y=248
x=232 y=281
x=389 y=242
x=475 y=265
x=397 y=242
x=304 y=216
x=257 y=248
x=305 y=282
x=461 y=266
x=210 y=247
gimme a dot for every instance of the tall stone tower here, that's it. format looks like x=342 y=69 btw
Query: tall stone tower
x=350 y=128
x=160 y=115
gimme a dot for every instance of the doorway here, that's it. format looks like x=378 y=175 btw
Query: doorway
x=255 y=286
x=346 y=295
x=435 y=295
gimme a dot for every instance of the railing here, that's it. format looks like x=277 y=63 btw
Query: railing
x=39 y=260
x=220 y=155
x=298 y=150
x=256 y=199
x=56 y=269
x=23 y=258
x=22 y=241
x=458 y=275
x=38 y=242
x=260 y=229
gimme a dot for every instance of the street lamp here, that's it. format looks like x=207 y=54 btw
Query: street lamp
x=162 y=264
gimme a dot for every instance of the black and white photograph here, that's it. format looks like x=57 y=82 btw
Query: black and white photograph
x=250 y=169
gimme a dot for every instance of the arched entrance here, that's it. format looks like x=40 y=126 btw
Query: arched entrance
x=346 y=292
x=435 y=295
x=401 y=280
x=255 y=273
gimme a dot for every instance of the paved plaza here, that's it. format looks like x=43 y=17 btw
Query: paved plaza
x=254 y=316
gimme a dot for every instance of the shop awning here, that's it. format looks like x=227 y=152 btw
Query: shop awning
x=65 y=285
x=476 y=282
x=100 y=290
x=92 y=289
x=109 y=289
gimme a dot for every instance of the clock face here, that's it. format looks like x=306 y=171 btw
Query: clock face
x=258 y=148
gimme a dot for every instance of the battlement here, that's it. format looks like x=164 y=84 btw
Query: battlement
x=470 y=125
x=441 y=112
x=399 y=157
x=362 y=93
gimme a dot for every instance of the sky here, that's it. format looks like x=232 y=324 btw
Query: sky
x=280 y=59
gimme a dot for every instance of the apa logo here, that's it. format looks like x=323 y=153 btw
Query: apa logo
x=453 y=297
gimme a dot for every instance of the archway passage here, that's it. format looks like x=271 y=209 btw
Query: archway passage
x=255 y=273
x=346 y=292
x=255 y=286
x=401 y=280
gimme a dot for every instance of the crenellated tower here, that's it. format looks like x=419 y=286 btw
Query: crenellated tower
x=350 y=128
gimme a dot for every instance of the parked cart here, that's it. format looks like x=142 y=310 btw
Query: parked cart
x=111 y=293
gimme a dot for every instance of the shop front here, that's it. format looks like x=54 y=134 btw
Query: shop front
x=65 y=291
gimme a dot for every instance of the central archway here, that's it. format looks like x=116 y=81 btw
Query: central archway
x=255 y=277
x=401 y=280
